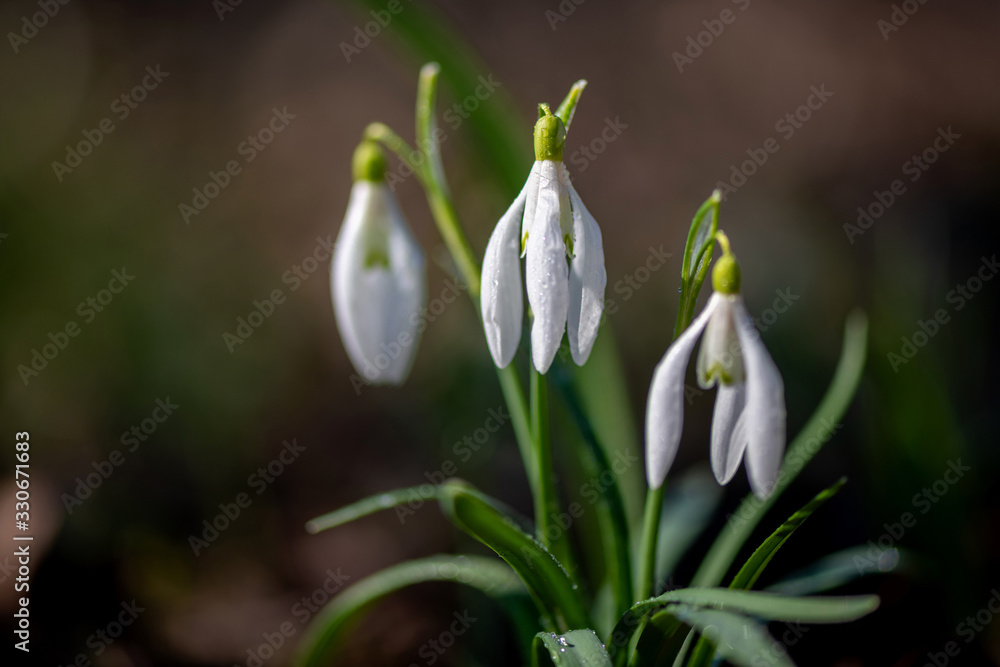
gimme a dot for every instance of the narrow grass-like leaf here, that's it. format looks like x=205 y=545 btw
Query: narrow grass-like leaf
x=609 y=505
x=371 y=505
x=661 y=641
x=838 y=569
x=330 y=627
x=577 y=648
x=763 y=605
x=482 y=518
x=754 y=567
x=740 y=640
x=810 y=439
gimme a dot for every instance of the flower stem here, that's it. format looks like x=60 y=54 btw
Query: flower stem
x=645 y=587
x=427 y=167
x=547 y=502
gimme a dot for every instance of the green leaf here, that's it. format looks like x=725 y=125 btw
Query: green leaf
x=568 y=106
x=662 y=640
x=578 y=648
x=482 y=518
x=697 y=257
x=740 y=640
x=331 y=626
x=768 y=606
x=754 y=567
x=371 y=505
x=610 y=508
x=602 y=388
x=817 y=430
x=838 y=569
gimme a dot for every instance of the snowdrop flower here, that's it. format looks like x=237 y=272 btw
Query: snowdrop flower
x=750 y=406
x=550 y=227
x=378 y=282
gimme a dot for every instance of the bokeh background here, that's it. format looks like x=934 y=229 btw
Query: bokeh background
x=680 y=127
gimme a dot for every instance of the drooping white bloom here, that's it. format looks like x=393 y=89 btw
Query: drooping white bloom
x=550 y=227
x=749 y=414
x=378 y=278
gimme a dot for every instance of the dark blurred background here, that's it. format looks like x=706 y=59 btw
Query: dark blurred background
x=677 y=116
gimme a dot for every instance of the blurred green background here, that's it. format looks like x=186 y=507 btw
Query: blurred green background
x=679 y=96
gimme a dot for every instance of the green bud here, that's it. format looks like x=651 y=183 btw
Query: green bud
x=369 y=163
x=550 y=136
x=726 y=275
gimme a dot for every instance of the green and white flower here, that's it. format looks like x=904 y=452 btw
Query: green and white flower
x=749 y=411
x=378 y=277
x=565 y=278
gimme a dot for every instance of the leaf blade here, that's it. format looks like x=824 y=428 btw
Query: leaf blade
x=330 y=626
x=576 y=648
x=482 y=518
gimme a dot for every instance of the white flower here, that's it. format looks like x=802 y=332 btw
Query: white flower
x=750 y=406
x=564 y=263
x=377 y=277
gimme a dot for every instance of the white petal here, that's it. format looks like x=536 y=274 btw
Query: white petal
x=720 y=355
x=765 y=408
x=665 y=405
x=530 y=203
x=728 y=435
x=547 y=271
x=501 y=300
x=587 y=280
x=377 y=306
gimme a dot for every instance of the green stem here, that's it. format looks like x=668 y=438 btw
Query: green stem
x=645 y=587
x=546 y=503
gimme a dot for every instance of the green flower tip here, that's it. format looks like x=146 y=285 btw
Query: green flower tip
x=726 y=274
x=550 y=135
x=368 y=163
